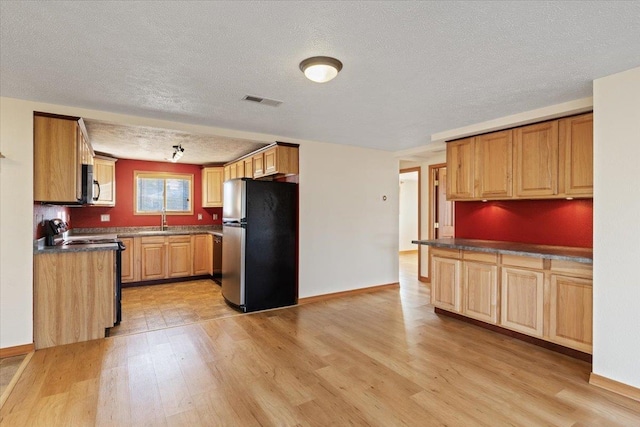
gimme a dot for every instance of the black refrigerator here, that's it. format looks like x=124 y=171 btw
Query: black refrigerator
x=259 y=255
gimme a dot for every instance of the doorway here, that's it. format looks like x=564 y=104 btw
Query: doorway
x=409 y=224
x=441 y=210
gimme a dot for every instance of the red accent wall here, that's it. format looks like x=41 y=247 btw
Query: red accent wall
x=122 y=214
x=544 y=222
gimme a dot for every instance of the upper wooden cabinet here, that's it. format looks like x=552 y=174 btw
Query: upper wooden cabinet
x=536 y=160
x=278 y=159
x=57 y=155
x=493 y=166
x=547 y=160
x=576 y=155
x=212 y=179
x=460 y=169
x=104 y=171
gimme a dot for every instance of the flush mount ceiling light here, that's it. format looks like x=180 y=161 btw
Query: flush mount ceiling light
x=177 y=153
x=320 y=69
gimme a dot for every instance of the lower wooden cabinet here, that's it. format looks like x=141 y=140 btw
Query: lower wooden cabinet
x=480 y=291
x=179 y=262
x=522 y=300
x=571 y=312
x=445 y=284
x=74 y=297
x=128 y=260
x=202 y=254
x=547 y=299
x=166 y=257
x=153 y=258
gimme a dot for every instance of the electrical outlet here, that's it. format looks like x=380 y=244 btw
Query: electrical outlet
x=215 y=216
x=199 y=217
x=105 y=218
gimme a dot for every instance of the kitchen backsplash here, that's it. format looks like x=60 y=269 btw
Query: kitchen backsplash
x=543 y=222
x=122 y=214
x=46 y=212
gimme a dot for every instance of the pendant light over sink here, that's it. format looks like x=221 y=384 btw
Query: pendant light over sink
x=320 y=69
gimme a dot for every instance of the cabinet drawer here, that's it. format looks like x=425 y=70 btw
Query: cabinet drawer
x=480 y=256
x=445 y=253
x=152 y=239
x=180 y=239
x=523 y=261
x=572 y=268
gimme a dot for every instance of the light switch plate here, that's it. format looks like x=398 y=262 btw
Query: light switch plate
x=105 y=217
x=199 y=217
x=215 y=216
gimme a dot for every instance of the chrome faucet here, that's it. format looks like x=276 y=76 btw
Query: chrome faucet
x=163 y=219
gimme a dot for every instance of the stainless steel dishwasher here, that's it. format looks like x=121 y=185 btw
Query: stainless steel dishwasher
x=217 y=258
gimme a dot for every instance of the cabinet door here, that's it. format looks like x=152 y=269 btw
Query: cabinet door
x=179 y=255
x=522 y=300
x=128 y=260
x=536 y=160
x=480 y=293
x=258 y=165
x=271 y=161
x=212 y=184
x=460 y=169
x=104 y=171
x=152 y=258
x=494 y=165
x=233 y=171
x=227 y=172
x=248 y=168
x=576 y=155
x=56 y=160
x=202 y=257
x=571 y=317
x=240 y=169
x=445 y=284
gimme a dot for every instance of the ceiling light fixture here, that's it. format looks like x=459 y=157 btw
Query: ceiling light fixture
x=320 y=69
x=178 y=152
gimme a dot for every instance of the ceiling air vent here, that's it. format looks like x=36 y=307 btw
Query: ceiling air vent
x=260 y=100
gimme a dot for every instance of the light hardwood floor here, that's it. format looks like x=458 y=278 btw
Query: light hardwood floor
x=381 y=359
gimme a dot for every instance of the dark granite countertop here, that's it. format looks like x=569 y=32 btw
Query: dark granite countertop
x=566 y=253
x=37 y=250
x=150 y=231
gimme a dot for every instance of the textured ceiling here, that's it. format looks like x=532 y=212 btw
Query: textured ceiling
x=146 y=143
x=411 y=69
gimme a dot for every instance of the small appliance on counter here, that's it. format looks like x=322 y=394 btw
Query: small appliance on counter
x=53 y=228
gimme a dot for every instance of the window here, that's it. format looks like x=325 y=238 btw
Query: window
x=154 y=191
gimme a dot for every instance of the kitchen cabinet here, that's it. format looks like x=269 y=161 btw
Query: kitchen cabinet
x=460 y=173
x=153 y=256
x=128 y=261
x=74 y=296
x=576 y=155
x=166 y=257
x=239 y=169
x=480 y=287
x=548 y=299
x=493 y=167
x=227 y=172
x=536 y=160
x=522 y=300
x=248 y=168
x=548 y=160
x=202 y=254
x=104 y=171
x=179 y=263
x=212 y=186
x=57 y=155
x=571 y=305
x=445 y=283
x=258 y=165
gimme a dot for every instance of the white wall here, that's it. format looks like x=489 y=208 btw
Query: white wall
x=16 y=223
x=348 y=235
x=408 y=215
x=616 y=242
